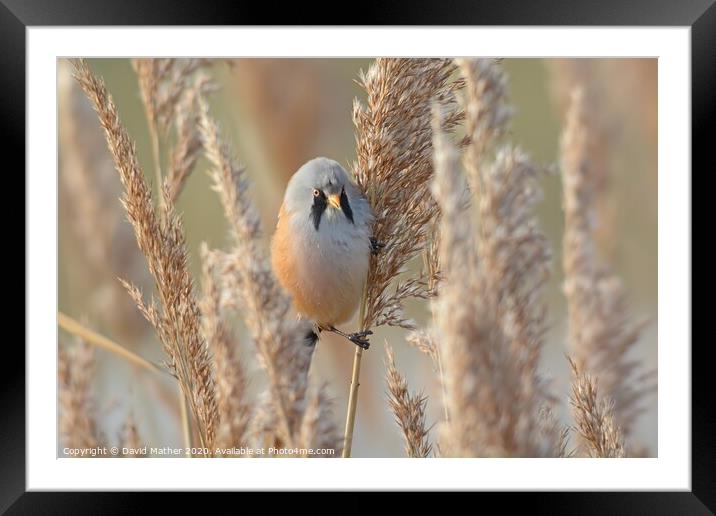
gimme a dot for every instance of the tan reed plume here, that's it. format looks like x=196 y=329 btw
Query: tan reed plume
x=249 y=283
x=424 y=341
x=233 y=406
x=595 y=79
x=76 y=410
x=187 y=148
x=594 y=417
x=169 y=89
x=318 y=428
x=601 y=334
x=487 y=112
x=162 y=82
x=175 y=316
x=394 y=169
x=489 y=317
x=408 y=410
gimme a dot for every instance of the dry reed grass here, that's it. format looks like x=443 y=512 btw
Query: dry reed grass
x=467 y=206
x=170 y=89
x=77 y=425
x=234 y=409
x=408 y=410
x=488 y=314
x=175 y=316
x=289 y=410
x=601 y=334
x=594 y=417
x=394 y=168
x=595 y=79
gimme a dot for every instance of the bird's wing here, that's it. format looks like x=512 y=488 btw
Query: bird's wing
x=280 y=214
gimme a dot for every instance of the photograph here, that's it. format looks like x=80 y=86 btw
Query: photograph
x=374 y=257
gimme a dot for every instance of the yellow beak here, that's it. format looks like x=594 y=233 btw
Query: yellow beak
x=334 y=200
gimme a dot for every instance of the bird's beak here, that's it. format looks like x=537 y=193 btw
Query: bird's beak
x=334 y=200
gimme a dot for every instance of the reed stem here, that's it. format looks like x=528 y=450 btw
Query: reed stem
x=70 y=325
x=186 y=430
x=352 y=403
x=156 y=153
x=355 y=382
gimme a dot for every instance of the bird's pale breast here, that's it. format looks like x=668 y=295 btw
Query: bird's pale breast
x=324 y=271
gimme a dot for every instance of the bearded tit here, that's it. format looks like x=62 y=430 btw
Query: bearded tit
x=321 y=249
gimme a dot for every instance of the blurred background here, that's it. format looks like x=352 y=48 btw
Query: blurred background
x=278 y=113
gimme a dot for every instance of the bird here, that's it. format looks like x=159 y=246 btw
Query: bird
x=321 y=248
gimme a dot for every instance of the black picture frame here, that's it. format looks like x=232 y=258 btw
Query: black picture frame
x=700 y=15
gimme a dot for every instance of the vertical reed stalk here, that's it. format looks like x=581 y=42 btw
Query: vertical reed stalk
x=355 y=378
x=352 y=403
x=184 y=413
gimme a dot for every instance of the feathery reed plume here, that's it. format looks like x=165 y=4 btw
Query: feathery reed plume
x=489 y=317
x=589 y=75
x=78 y=428
x=168 y=97
x=455 y=311
x=423 y=341
x=176 y=316
x=233 y=406
x=394 y=169
x=280 y=342
x=554 y=432
x=131 y=441
x=188 y=147
x=89 y=188
x=594 y=417
x=423 y=338
x=568 y=74
x=600 y=333
x=408 y=409
x=318 y=429
x=487 y=112
x=162 y=82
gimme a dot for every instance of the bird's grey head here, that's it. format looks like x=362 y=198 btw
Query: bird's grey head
x=323 y=191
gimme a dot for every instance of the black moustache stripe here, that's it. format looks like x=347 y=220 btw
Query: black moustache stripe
x=346 y=207
x=319 y=206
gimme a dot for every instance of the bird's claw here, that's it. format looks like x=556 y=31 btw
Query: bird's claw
x=359 y=338
x=375 y=246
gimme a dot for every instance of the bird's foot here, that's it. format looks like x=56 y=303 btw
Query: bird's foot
x=375 y=246
x=359 y=338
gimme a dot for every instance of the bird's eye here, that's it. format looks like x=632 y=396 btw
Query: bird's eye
x=316 y=193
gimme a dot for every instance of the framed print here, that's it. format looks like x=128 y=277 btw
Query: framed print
x=465 y=244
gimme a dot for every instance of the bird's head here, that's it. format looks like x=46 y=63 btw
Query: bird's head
x=324 y=192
